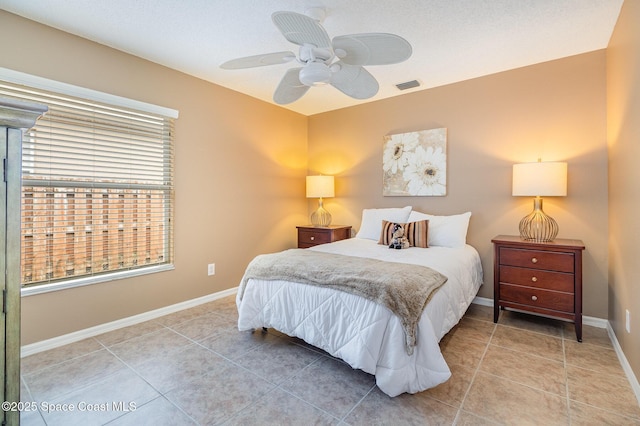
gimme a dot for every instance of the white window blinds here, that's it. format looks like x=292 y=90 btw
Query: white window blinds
x=97 y=189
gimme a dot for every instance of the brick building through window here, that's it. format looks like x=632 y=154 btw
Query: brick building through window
x=97 y=189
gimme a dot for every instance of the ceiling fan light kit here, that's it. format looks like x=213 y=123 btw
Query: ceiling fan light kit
x=315 y=74
x=339 y=62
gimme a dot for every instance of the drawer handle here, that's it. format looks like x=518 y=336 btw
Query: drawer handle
x=534 y=298
x=534 y=260
x=534 y=279
x=312 y=238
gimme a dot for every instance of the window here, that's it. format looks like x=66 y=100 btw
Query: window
x=97 y=191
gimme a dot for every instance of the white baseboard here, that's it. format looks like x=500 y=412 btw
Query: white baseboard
x=484 y=301
x=600 y=323
x=65 y=339
x=586 y=320
x=633 y=380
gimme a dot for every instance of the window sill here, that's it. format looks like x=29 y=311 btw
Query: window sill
x=80 y=282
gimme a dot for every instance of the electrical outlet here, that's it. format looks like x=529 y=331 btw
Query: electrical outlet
x=211 y=269
x=628 y=322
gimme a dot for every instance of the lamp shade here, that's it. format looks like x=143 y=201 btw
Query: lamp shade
x=320 y=186
x=540 y=179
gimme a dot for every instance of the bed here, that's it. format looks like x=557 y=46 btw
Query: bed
x=363 y=333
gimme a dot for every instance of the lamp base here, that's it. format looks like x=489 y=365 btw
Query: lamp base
x=321 y=217
x=537 y=225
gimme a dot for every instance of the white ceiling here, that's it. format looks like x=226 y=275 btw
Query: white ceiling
x=453 y=40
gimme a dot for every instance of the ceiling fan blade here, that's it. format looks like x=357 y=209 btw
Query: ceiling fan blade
x=290 y=89
x=372 y=49
x=301 y=29
x=354 y=81
x=259 y=60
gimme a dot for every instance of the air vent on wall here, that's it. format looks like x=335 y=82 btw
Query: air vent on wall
x=408 y=85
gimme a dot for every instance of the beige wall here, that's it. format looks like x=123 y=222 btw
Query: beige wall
x=554 y=110
x=623 y=112
x=244 y=171
x=240 y=167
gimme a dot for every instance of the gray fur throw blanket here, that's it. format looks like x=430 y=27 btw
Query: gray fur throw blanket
x=403 y=288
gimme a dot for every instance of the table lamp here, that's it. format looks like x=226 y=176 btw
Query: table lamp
x=320 y=187
x=539 y=179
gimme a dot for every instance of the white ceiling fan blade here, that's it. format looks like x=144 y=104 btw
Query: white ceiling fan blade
x=372 y=49
x=290 y=89
x=259 y=60
x=354 y=81
x=301 y=29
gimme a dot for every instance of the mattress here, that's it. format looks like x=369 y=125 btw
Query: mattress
x=364 y=334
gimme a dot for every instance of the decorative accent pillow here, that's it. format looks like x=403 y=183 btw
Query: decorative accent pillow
x=445 y=231
x=371 y=224
x=416 y=232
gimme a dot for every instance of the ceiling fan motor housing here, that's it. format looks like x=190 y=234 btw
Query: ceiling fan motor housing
x=310 y=53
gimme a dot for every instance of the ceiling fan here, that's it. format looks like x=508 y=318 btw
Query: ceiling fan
x=338 y=62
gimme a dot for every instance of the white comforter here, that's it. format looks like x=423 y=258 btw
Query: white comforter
x=364 y=334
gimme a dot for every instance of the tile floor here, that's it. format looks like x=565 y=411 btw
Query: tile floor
x=194 y=367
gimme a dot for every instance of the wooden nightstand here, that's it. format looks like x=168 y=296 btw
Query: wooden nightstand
x=309 y=236
x=541 y=278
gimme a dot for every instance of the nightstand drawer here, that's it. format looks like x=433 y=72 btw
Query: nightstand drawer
x=313 y=238
x=559 y=281
x=536 y=259
x=309 y=236
x=536 y=297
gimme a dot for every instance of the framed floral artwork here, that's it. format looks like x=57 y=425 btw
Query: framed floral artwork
x=415 y=164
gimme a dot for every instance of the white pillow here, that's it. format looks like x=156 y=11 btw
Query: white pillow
x=445 y=231
x=371 y=225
